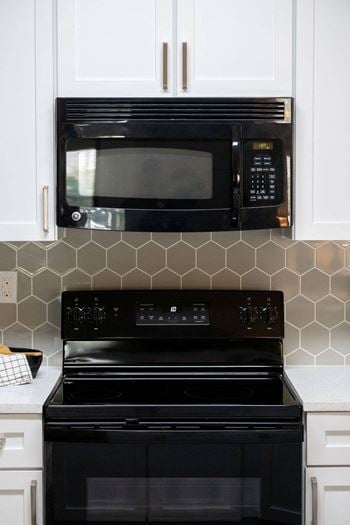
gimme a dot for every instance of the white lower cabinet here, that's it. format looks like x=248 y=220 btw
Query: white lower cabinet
x=21 y=494
x=327 y=495
x=21 y=497
x=327 y=475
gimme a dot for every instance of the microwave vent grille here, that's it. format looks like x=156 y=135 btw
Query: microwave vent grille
x=107 y=110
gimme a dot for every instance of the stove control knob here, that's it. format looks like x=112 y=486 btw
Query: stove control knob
x=78 y=314
x=98 y=314
x=248 y=314
x=270 y=314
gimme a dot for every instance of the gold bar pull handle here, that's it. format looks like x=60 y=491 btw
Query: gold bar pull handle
x=45 y=209
x=184 y=66
x=314 y=518
x=165 y=66
x=33 y=501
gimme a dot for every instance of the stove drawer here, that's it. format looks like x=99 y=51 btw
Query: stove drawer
x=328 y=439
x=20 y=441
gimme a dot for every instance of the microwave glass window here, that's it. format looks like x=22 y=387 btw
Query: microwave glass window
x=139 y=173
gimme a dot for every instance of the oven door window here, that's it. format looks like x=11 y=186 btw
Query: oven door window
x=140 y=174
x=168 y=482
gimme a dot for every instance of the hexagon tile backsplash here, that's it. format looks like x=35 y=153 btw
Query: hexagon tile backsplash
x=314 y=276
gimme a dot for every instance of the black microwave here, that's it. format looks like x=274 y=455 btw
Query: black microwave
x=174 y=164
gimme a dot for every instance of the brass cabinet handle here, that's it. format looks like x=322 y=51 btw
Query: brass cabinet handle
x=2 y=441
x=165 y=66
x=46 y=208
x=33 y=498
x=314 y=519
x=184 y=66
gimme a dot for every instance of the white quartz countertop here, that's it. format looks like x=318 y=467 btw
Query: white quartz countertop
x=321 y=388
x=29 y=398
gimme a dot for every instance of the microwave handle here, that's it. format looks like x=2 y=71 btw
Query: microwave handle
x=236 y=181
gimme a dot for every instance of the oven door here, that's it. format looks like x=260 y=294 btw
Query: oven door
x=138 y=175
x=165 y=475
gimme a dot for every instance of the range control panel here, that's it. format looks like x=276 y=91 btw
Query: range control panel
x=154 y=314
x=262 y=173
x=90 y=315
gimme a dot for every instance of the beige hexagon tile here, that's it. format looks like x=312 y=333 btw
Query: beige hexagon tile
x=299 y=311
x=151 y=258
x=340 y=338
x=136 y=239
x=314 y=338
x=106 y=280
x=225 y=280
x=256 y=238
x=255 y=280
x=347 y=256
x=32 y=312
x=300 y=357
x=92 y=258
x=55 y=359
x=291 y=339
x=31 y=258
x=340 y=284
x=166 y=239
x=61 y=258
x=270 y=258
x=181 y=258
x=226 y=239
x=347 y=311
x=121 y=258
x=47 y=338
x=18 y=336
x=8 y=315
x=196 y=239
x=300 y=257
x=76 y=280
x=240 y=258
x=136 y=279
x=166 y=279
x=330 y=357
x=106 y=239
x=315 y=284
x=76 y=237
x=196 y=279
x=24 y=285
x=330 y=311
x=315 y=244
x=46 y=285
x=287 y=281
x=54 y=312
x=7 y=258
x=330 y=257
x=283 y=237
x=211 y=258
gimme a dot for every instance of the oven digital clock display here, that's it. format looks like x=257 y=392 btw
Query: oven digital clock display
x=151 y=314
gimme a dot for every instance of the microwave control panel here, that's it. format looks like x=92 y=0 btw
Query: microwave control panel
x=262 y=173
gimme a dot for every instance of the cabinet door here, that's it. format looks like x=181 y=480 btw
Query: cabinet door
x=331 y=487
x=235 y=47
x=322 y=120
x=26 y=132
x=114 y=48
x=21 y=497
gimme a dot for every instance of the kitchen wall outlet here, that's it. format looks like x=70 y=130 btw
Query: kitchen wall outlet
x=8 y=287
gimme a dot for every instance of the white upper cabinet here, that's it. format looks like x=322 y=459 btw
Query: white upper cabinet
x=27 y=109
x=183 y=47
x=235 y=47
x=115 y=47
x=322 y=120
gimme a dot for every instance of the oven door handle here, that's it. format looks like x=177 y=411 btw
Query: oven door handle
x=140 y=433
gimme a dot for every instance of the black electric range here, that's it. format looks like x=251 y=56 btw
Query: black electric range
x=173 y=407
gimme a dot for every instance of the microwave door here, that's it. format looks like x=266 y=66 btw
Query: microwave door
x=149 y=176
